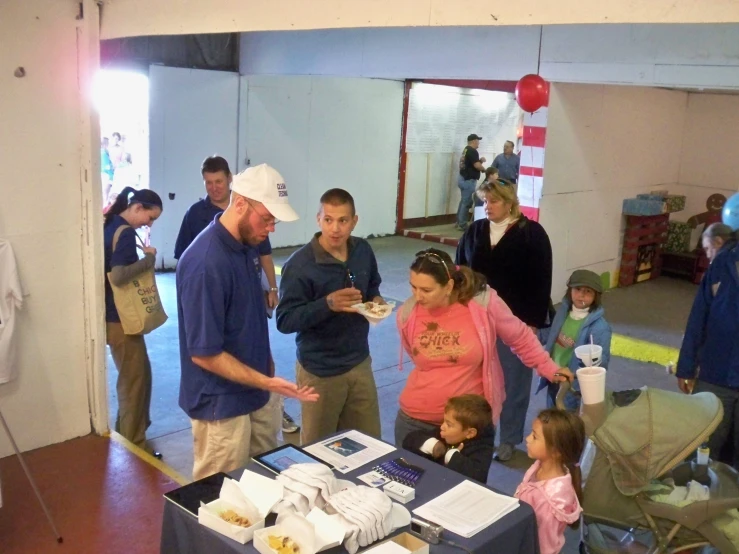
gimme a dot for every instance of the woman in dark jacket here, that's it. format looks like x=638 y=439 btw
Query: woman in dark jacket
x=514 y=254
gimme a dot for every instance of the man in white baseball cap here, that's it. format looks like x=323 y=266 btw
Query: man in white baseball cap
x=265 y=185
x=227 y=386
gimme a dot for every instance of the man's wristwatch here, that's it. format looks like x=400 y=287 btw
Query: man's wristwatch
x=273 y=289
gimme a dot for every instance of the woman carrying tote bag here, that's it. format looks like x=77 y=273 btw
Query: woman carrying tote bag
x=132 y=210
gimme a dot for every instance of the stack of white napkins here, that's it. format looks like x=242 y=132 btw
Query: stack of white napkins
x=306 y=486
x=367 y=515
x=467 y=508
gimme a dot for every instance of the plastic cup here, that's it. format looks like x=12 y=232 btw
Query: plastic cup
x=589 y=354
x=592 y=384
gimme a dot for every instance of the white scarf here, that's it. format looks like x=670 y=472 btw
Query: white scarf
x=579 y=313
x=497 y=230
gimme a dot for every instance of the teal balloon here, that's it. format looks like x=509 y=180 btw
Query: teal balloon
x=730 y=213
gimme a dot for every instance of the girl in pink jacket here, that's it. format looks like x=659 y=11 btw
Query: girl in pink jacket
x=553 y=485
x=449 y=328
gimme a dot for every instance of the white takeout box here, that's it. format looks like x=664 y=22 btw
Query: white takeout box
x=263 y=492
x=253 y=496
x=231 y=498
x=314 y=533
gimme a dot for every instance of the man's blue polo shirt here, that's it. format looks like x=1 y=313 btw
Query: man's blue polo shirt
x=221 y=308
x=198 y=217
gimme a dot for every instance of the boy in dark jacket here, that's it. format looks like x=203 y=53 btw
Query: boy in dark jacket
x=464 y=442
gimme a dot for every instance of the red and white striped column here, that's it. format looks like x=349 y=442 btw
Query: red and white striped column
x=531 y=173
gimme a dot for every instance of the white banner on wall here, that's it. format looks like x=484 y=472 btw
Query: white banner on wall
x=440 y=118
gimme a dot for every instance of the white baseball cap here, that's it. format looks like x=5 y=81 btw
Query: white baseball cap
x=264 y=184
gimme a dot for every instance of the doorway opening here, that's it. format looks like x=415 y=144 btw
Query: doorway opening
x=122 y=100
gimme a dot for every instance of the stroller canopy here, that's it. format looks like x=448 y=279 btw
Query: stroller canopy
x=649 y=436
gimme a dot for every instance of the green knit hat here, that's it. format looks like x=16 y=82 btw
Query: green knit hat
x=585 y=278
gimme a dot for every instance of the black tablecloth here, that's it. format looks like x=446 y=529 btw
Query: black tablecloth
x=514 y=533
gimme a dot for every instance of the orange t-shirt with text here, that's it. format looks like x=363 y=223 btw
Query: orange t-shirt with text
x=447 y=354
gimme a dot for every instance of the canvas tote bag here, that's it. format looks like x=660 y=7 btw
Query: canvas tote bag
x=137 y=301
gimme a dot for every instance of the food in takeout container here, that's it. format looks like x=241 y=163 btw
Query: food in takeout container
x=282 y=545
x=230 y=516
x=241 y=507
x=373 y=311
x=296 y=534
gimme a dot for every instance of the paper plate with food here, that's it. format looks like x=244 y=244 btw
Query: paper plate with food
x=375 y=312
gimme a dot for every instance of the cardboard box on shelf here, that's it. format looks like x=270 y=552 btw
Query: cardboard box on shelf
x=675 y=203
x=404 y=543
x=671 y=203
x=642 y=206
x=678 y=237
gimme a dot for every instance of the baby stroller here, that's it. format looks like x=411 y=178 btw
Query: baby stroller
x=639 y=436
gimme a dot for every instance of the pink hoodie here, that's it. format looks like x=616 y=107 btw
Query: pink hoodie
x=493 y=318
x=555 y=504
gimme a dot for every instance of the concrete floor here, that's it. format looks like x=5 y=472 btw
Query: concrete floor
x=448 y=230
x=653 y=311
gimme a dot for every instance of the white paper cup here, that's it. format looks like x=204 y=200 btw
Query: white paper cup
x=589 y=354
x=592 y=384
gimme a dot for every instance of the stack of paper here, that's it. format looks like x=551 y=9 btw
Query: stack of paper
x=467 y=509
x=349 y=450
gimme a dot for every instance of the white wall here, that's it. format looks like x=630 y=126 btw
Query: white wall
x=604 y=144
x=711 y=142
x=439 y=52
x=709 y=151
x=50 y=194
x=193 y=115
x=658 y=55
x=439 y=120
x=143 y=17
x=322 y=133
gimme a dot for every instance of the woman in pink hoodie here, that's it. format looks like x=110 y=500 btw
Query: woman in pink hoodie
x=553 y=485
x=449 y=328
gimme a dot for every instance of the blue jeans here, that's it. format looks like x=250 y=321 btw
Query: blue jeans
x=466 y=187
x=517 y=391
x=405 y=424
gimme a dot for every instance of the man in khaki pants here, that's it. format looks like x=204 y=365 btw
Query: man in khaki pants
x=320 y=284
x=227 y=387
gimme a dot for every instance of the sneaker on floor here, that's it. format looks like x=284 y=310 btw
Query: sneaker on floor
x=288 y=424
x=504 y=452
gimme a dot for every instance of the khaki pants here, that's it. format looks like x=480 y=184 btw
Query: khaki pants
x=228 y=444
x=134 y=383
x=348 y=401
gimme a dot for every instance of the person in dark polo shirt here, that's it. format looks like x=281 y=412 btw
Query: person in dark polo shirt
x=470 y=167
x=217 y=178
x=320 y=283
x=227 y=385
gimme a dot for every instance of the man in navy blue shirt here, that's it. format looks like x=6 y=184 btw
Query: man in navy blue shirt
x=217 y=179
x=227 y=386
x=320 y=283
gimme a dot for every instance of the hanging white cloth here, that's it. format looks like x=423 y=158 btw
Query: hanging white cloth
x=11 y=301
